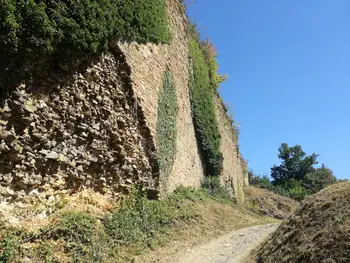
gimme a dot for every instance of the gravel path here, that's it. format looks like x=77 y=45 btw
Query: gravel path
x=231 y=248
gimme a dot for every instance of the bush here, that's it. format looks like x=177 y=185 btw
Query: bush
x=83 y=238
x=206 y=124
x=143 y=222
x=8 y=246
x=213 y=67
x=290 y=188
x=166 y=125
x=319 y=179
x=213 y=187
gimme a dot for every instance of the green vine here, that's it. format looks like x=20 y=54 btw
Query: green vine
x=166 y=126
x=202 y=100
x=34 y=30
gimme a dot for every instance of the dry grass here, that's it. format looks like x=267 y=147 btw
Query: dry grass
x=35 y=215
x=264 y=202
x=194 y=218
x=212 y=220
x=318 y=231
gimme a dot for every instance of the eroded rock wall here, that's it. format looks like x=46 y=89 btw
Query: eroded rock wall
x=148 y=64
x=65 y=132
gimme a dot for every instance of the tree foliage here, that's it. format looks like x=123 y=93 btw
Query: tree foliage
x=319 y=179
x=295 y=164
x=296 y=176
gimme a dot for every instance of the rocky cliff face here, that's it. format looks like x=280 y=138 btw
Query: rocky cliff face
x=94 y=127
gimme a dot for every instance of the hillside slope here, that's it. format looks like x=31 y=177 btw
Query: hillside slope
x=89 y=227
x=319 y=231
x=267 y=203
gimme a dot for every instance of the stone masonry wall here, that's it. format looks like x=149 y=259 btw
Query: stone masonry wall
x=148 y=64
x=95 y=127
x=234 y=176
x=65 y=132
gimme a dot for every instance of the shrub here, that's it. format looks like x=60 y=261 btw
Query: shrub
x=213 y=67
x=83 y=238
x=206 y=124
x=8 y=246
x=213 y=187
x=166 y=125
x=141 y=221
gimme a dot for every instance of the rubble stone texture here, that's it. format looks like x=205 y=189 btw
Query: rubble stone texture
x=85 y=133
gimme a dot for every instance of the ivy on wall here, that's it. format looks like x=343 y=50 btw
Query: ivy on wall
x=166 y=126
x=33 y=30
x=80 y=25
x=202 y=100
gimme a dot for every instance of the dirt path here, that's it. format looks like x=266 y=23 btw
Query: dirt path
x=231 y=248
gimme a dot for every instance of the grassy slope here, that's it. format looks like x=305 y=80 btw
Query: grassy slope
x=264 y=202
x=319 y=231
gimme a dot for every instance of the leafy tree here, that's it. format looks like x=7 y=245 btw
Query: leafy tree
x=319 y=179
x=296 y=177
x=295 y=164
x=255 y=179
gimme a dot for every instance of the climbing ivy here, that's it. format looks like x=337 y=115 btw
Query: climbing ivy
x=202 y=100
x=79 y=25
x=166 y=125
x=66 y=30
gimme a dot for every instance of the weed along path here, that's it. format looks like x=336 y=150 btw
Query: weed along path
x=231 y=248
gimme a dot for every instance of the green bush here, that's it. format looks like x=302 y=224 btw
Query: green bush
x=142 y=221
x=35 y=28
x=213 y=187
x=166 y=125
x=84 y=241
x=8 y=246
x=206 y=124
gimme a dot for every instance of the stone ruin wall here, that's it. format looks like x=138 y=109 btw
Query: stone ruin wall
x=67 y=132
x=148 y=64
x=96 y=128
x=235 y=171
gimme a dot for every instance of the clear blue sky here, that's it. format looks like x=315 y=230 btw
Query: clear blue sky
x=289 y=68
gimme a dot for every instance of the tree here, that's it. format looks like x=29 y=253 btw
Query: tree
x=295 y=164
x=319 y=179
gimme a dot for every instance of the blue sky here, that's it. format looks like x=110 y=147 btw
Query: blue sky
x=289 y=75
